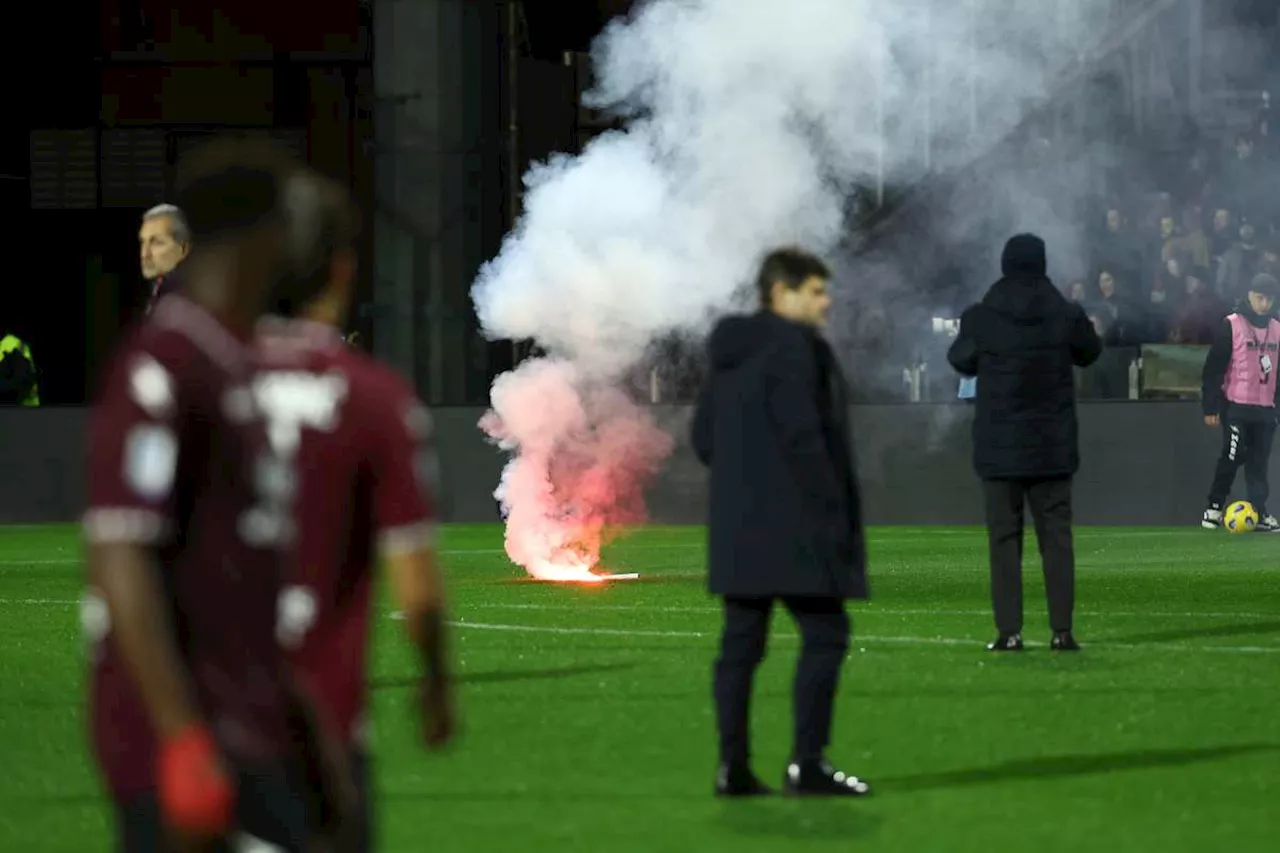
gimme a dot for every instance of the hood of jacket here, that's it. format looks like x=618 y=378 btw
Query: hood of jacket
x=1025 y=300
x=738 y=338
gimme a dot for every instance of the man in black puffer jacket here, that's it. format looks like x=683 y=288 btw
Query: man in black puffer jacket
x=1022 y=341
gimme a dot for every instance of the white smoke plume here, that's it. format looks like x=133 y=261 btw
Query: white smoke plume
x=750 y=124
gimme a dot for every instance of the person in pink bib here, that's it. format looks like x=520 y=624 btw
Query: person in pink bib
x=1240 y=394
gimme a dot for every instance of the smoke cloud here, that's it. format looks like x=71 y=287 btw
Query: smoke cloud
x=750 y=124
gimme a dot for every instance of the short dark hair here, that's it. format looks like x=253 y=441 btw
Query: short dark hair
x=233 y=184
x=792 y=267
x=338 y=228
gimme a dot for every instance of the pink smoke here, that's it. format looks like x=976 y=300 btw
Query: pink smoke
x=582 y=454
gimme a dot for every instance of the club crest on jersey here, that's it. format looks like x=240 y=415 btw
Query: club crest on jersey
x=291 y=400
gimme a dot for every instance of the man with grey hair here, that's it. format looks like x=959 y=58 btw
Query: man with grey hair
x=163 y=240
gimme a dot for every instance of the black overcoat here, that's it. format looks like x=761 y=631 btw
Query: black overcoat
x=772 y=425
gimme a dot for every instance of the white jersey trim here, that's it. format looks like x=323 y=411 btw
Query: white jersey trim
x=124 y=525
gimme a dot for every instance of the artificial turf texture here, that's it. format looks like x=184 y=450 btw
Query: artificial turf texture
x=588 y=726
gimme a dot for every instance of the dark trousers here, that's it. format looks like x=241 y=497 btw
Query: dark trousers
x=354 y=832
x=361 y=771
x=1248 y=443
x=824 y=632
x=271 y=805
x=1050 y=502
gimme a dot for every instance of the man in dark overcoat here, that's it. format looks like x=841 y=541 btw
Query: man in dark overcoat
x=1023 y=342
x=772 y=424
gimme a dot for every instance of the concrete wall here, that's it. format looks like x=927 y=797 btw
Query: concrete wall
x=1143 y=463
x=42 y=455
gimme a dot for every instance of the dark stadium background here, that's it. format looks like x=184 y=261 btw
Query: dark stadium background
x=587 y=721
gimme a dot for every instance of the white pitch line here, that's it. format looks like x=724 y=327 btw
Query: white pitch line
x=895 y=535
x=856 y=639
x=627 y=632
x=1122 y=614
x=38 y=602
x=855 y=611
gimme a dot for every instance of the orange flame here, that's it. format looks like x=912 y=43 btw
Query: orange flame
x=569 y=565
x=546 y=571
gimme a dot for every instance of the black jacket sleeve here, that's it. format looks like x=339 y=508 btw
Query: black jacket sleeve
x=701 y=430
x=1275 y=381
x=963 y=353
x=1086 y=346
x=792 y=378
x=1215 y=370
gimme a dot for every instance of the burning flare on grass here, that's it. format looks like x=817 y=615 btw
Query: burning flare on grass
x=582 y=454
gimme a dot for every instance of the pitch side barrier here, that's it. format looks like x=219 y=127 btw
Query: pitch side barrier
x=1146 y=455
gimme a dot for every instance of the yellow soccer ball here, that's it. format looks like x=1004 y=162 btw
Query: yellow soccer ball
x=1240 y=517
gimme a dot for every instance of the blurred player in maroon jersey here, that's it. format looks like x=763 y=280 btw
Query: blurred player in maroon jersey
x=195 y=722
x=361 y=442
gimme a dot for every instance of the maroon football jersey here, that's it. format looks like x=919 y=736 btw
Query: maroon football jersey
x=361 y=443
x=177 y=461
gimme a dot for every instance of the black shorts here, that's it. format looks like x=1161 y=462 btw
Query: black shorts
x=271 y=805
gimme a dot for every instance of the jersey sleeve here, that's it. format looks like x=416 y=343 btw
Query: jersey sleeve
x=405 y=475
x=133 y=452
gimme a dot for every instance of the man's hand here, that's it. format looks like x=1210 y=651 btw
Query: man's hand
x=197 y=795
x=435 y=700
x=1211 y=420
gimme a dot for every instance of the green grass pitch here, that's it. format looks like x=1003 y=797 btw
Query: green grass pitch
x=588 y=727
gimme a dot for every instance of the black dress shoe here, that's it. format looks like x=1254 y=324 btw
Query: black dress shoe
x=820 y=779
x=1006 y=643
x=1063 y=642
x=739 y=782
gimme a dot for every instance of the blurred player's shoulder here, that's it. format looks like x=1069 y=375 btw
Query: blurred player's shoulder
x=384 y=392
x=375 y=392
x=178 y=339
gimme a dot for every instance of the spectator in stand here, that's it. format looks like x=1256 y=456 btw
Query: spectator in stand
x=1165 y=298
x=1241 y=180
x=1265 y=143
x=1170 y=235
x=1270 y=263
x=1239 y=264
x=1117 y=250
x=1193 y=183
x=1222 y=235
x=1267 y=153
x=1121 y=320
x=1078 y=293
x=164 y=240
x=1201 y=312
x=1193 y=243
